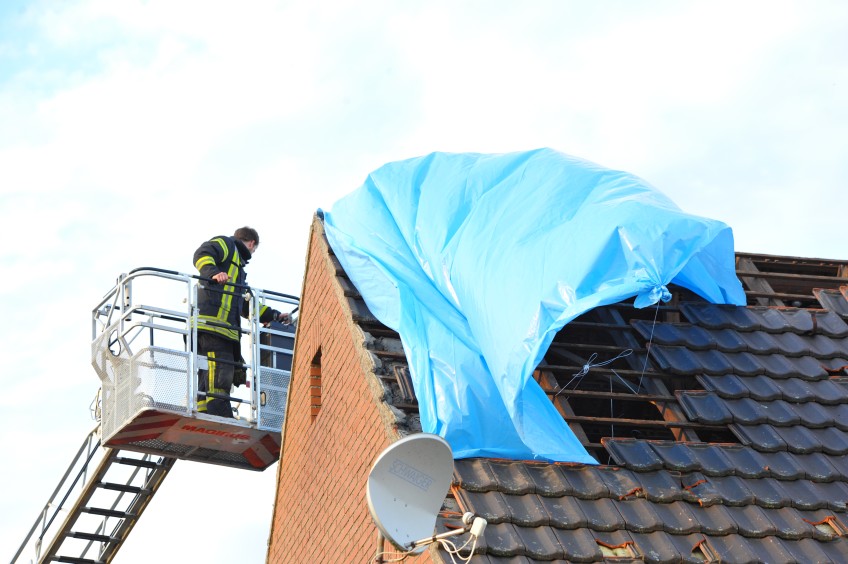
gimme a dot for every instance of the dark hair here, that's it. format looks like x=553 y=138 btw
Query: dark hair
x=247 y=234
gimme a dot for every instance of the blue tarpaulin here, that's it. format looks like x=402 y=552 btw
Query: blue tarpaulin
x=477 y=260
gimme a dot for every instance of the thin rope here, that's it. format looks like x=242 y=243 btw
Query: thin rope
x=589 y=365
x=612 y=413
x=648 y=348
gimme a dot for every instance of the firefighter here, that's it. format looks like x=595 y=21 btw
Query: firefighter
x=221 y=305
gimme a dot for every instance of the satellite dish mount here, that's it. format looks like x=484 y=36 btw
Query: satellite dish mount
x=406 y=488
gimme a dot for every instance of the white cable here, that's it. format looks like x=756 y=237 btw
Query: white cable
x=471 y=551
x=402 y=556
x=446 y=544
x=470 y=538
x=452 y=550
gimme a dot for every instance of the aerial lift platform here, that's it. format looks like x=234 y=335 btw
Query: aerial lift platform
x=144 y=333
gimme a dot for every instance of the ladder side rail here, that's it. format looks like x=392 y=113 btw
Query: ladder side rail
x=41 y=519
x=152 y=479
x=81 y=475
x=61 y=535
x=90 y=486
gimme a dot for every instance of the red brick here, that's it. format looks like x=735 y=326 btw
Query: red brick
x=326 y=459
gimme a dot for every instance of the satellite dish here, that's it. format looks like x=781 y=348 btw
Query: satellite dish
x=407 y=486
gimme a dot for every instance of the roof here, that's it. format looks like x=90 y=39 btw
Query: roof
x=721 y=431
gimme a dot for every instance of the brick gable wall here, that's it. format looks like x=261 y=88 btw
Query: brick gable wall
x=335 y=427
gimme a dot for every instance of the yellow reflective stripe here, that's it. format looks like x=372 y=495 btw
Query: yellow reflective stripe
x=210 y=385
x=228 y=333
x=204 y=261
x=210 y=379
x=223 y=246
x=227 y=299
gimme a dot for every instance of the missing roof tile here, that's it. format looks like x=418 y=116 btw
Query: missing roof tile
x=600 y=378
x=702 y=552
x=624 y=550
x=830 y=526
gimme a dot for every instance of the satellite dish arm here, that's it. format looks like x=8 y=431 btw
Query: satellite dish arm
x=474 y=525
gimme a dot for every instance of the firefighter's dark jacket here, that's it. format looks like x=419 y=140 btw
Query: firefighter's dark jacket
x=221 y=305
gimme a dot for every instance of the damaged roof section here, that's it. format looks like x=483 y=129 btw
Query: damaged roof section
x=722 y=431
x=462 y=255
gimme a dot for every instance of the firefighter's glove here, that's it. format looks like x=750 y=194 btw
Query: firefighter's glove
x=239 y=377
x=284 y=318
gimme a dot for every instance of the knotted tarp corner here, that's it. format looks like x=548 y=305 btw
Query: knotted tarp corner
x=477 y=260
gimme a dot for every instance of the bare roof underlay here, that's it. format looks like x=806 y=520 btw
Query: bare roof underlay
x=721 y=431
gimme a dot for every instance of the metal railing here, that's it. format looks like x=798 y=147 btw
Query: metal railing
x=97 y=502
x=148 y=324
x=73 y=479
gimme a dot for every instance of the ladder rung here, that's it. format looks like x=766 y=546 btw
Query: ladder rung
x=91 y=536
x=74 y=560
x=137 y=462
x=120 y=487
x=107 y=512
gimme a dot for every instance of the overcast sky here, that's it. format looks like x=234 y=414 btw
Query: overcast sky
x=132 y=131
